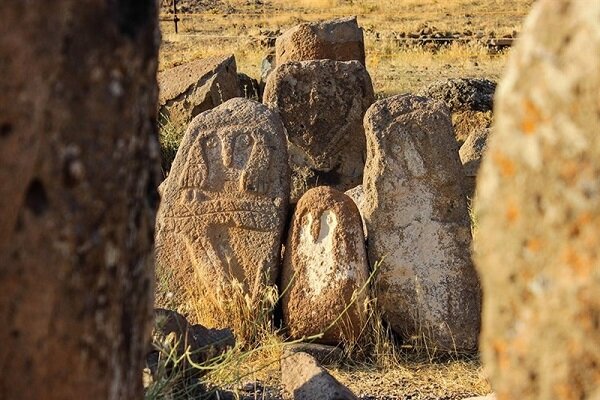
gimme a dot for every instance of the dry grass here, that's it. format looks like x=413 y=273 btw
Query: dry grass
x=393 y=69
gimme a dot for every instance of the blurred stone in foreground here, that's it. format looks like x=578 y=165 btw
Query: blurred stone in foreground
x=538 y=207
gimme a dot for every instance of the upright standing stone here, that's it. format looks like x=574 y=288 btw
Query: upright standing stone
x=322 y=104
x=223 y=211
x=418 y=223
x=538 y=207
x=79 y=168
x=470 y=154
x=338 y=39
x=325 y=269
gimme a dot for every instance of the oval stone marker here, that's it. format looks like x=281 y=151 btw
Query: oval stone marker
x=418 y=223
x=538 y=210
x=325 y=266
x=322 y=104
x=223 y=211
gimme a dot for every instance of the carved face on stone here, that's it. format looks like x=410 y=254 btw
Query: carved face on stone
x=229 y=170
x=228 y=161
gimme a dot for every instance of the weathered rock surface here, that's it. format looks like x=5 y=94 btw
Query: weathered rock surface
x=78 y=172
x=418 y=223
x=470 y=155
x=324 y=268
x=322 y=104
x=357 y=195
x=338 y=39
x=223 y=212
x=324 y=354
x=195 y=87
x=173 y=331
x=303 y=378
x=538 y=206
x=470 y=100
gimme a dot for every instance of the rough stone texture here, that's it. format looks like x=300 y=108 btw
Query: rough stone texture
x=538 y=206
x=338 y=39
x=470 y=155
x=302 y=378
x=192 y=88
x=172 y=330
x=418 y=223
x=470 y=101
x=357 y=195
x=79 y=168
x=322 y=104
x=325 y=265
x=223 y=211
x=324 y=354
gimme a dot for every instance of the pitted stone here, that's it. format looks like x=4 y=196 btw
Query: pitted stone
x=223 y=209
x=325 y=269
x=418 y=223
x=322 y=104
x=338 y=39
x=538 y=211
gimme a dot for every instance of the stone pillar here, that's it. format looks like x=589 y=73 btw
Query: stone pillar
x=538 y=207
x=79 y=167
x=418 y=223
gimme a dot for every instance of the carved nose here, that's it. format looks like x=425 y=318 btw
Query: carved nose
x=227 y=153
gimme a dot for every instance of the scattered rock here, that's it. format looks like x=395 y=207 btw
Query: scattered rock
x=324 y=269
x=173 y=332
x=488 y=397
x=470 y=155
x=538 y=210
x=192 y=88
x=223 y=211
x=323 y=353
x=337 y=39
x=322 y=104
x=418 y=223
x=303 y=378
x=470 y=100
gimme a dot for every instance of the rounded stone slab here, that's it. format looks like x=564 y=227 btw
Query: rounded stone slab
x=338 y=39
x=325 y=267
x=223 y=211
x=538 y=210
x=322 y=104
x=418 y=223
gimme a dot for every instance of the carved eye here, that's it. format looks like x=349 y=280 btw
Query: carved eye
x=243 y=140
x=212 y=142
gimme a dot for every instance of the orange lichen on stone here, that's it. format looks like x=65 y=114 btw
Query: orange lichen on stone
x=506 y=165
x=531 y=119
x=512 y=211
x=579 y=263
x=500 y=348
x=534 y=245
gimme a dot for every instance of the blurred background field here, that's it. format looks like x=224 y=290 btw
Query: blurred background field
x=396 y=60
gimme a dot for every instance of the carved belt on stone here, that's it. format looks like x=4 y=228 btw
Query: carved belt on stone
x=255 y=214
